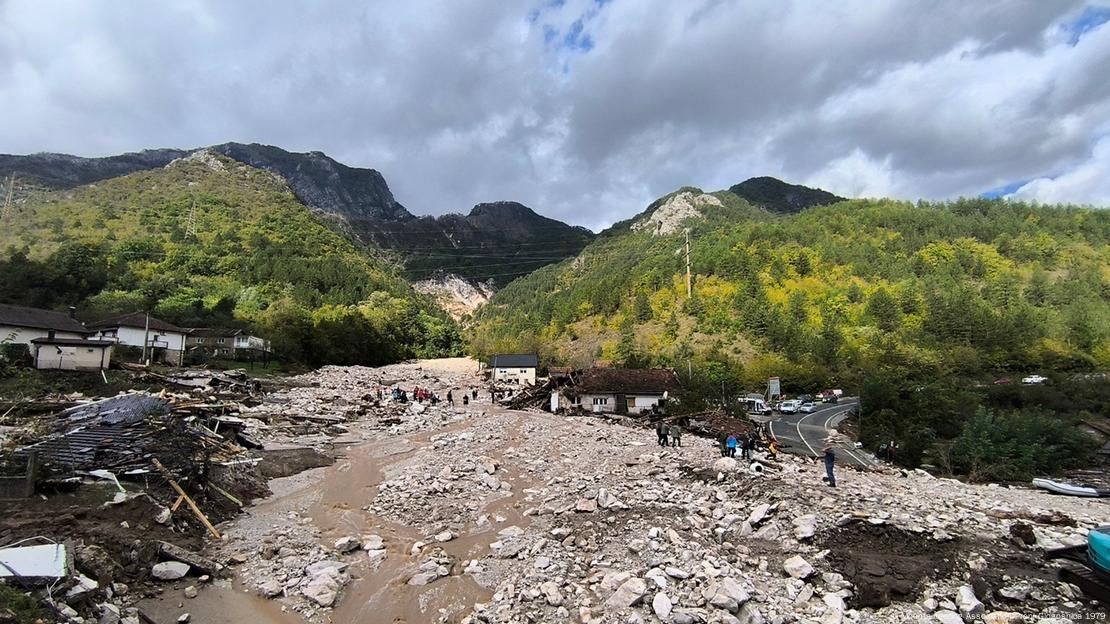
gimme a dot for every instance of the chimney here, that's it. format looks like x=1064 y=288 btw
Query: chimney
x=73 y=312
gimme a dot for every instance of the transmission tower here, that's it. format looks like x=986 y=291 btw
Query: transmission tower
x=191 y=224
x=7 y=212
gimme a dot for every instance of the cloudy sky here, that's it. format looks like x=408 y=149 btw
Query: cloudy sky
x=585 y=109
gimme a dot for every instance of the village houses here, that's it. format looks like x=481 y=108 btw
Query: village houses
x=165 y=343
x=215 y=342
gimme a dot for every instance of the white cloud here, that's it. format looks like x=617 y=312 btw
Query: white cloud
x=586 y=111
x=1088 y=182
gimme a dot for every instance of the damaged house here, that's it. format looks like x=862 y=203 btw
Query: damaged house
x=54 y=340
x=617 y=390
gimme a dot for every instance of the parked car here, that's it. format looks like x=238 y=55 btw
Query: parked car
x=789 y=407
x=805 y=398
x=808 y=408
x=1034 y=380
x=830 y=398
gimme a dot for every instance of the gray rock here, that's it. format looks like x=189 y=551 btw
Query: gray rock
x=191 y=591
x=805 y=526
x=551 y=593
x=627 y=594
x=797 y=567
x=585 y=505
x=758 y=514
x=423 y=578
x=324 y=567
x=969 y=605
x=662 y=606
x=269 y=588
x=169 y=570
x=944 y=616
x=346 y=544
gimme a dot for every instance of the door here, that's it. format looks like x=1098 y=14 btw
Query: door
x=622 y=404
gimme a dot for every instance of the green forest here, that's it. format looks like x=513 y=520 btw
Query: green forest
x=212 y=242
x=879 y=296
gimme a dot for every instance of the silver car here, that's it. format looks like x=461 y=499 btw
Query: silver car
x=808 y=408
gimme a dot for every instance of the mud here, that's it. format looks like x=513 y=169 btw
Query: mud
x=886 y=563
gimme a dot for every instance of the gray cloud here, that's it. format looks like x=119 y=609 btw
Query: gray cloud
x=583 y=110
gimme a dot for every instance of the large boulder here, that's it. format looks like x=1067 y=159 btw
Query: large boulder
x=797 y=567
x=627 y=594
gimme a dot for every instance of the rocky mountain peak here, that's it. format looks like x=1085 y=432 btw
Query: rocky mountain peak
x=781 y=197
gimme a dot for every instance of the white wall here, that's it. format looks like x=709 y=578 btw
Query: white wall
x=133 y=337
x=513 y=375
x=24 y=335
x=641 y=403
x=72 y=357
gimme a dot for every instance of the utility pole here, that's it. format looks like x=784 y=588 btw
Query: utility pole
x=146 y=336
x=689 y=282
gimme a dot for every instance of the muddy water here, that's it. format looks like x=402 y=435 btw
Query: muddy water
x=335 y=500
x=383 y=595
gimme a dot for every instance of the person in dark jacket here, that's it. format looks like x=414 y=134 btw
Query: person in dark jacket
x=676 y=435
x=722 y=440
x=661 y=433
x=830 y=459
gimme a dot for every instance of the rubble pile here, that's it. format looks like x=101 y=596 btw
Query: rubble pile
x=485 y=514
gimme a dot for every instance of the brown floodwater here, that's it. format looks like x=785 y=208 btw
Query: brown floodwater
x=373 y=595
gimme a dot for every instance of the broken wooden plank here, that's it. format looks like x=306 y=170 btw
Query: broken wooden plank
x=196 y=510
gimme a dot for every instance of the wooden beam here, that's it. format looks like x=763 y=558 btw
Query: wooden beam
x=196 y=510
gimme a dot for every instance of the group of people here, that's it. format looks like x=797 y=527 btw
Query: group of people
x=746 y=444
x=668 y=435
x=888 y=451
x=466 y=396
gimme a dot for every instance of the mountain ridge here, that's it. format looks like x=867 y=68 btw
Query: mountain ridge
x=355 y=201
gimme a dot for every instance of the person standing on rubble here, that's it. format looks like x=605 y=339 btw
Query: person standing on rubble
x=676 y=435
x=731 y=444
x=474 y=394
x=466 y=399
x=722 y=441
x=450 y=398
x=661 y=433
x=830 y=459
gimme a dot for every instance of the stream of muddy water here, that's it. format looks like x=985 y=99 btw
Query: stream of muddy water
x=335 y=499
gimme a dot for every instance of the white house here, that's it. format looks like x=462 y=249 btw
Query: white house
x=618 y=390
x=517 y=369
x=71 y=353
x=165 y=342
x=21 y=325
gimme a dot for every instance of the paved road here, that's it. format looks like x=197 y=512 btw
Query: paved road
x=805 y=434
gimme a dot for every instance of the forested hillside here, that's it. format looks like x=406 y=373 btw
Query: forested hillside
x=210 y=241
x=851 y=294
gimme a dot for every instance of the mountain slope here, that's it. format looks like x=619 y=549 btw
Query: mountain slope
x=985 y=284
x=781 y=197
x=495 y=242
x=207 y=239
x=918 y=307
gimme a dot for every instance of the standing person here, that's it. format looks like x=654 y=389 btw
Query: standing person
x=466 y=400
x=474 y=394
x=731 y=444
x=773 y=448
x=450 y=398
x=892 y=451
x=661 y=433
x=746 y=446
x=830 y=459
x=722 y=441
x=676 y=435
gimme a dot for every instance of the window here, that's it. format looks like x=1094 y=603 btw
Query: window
x=200 y=340
x=220 y=340
x=631 y=402
x=601 y=400
x=524 y=370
